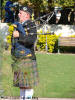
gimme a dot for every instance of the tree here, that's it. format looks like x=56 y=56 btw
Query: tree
x=64 y=3
x=44 y=5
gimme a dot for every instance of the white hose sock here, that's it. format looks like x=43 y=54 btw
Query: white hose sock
x=26 y=94
x=22 y=94
x=29 y=94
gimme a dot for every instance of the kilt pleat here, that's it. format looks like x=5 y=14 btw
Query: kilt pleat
x=25 y=73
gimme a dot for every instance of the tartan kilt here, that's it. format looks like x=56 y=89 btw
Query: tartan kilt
x=25 y=73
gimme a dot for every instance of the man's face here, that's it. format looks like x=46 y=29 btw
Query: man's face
x=23 y=16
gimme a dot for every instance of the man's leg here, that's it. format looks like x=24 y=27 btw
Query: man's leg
x=22 y=94
x=29 y=94
x=26 y=94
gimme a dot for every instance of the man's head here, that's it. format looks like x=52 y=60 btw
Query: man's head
x=24 y=13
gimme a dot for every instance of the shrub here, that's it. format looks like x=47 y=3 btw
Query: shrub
x=49 y=39
x=11 y=28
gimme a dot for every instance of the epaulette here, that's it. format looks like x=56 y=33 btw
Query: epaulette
x=15 y=25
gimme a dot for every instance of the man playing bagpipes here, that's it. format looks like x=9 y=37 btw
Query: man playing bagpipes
x=24 y=60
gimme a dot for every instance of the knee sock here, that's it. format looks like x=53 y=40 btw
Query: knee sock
x=22 y=94
x=26 y=94
x=29 y=94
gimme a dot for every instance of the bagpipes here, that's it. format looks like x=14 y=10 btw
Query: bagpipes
x=20 y=28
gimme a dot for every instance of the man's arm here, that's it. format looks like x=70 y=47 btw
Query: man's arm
x=27 y=39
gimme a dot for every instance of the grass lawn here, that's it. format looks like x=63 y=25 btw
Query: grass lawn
x=56 y=72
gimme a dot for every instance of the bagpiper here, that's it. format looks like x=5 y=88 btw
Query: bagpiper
x=24 y=60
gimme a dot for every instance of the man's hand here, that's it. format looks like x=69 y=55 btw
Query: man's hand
x=15 y=34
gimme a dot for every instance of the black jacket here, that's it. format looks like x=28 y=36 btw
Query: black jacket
x=28 y=40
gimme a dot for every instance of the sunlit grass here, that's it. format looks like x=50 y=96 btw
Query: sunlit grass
x=56 y=73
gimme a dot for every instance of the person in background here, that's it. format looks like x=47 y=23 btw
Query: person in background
x=24 y=60
x=58 y=16
x=9 y=12
x=72 y=16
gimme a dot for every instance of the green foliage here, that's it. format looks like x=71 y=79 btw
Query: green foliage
x=11 y=28
x=49 y=39
x=72 y=35
x=44 y=5
x=63 y=3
